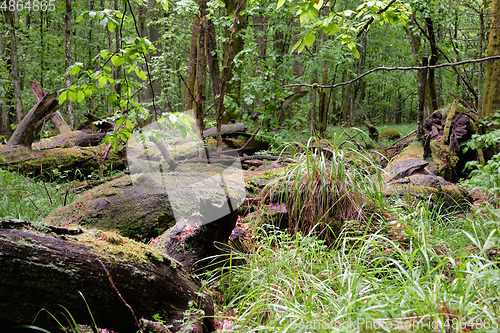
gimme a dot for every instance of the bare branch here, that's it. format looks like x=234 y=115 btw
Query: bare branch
x=383 y=68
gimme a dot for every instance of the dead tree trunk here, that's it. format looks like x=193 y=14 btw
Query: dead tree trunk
x=32 y=123
x=41 y=270
x=57 y=119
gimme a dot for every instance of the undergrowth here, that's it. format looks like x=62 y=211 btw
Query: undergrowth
x=440 y=275
x=27 y=199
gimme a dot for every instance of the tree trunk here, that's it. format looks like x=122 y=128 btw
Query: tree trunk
x=422 y=80
x=192 y=64
x=4 y=116
x=16 y=82
x=67 y=61
x=200 y=94
x=236 y=39
x=491 y=96
x=112 y=273
x=323 y=101
x=431 y=81
x=56 y=118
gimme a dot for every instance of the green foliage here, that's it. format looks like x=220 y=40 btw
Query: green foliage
x=345 y=24
x=487 y=176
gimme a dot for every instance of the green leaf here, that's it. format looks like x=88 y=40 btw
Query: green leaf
x=117 y=60
x=102 y=81
x=63 y=97
x=115 y=144
x=75 y=69
x=309 y=39
x=355 y=53
x=296 y=45
x=72 y=96
x=111 y=26
x=303 y=18
x=80 y=96
x=331 y=29
x=312 y=13
x=140 y=74
x=120 y=121
x=280 y=4
x=129 y=125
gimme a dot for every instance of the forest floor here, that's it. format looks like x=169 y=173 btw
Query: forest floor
x=416 y=266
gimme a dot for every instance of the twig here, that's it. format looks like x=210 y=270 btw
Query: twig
x=383 y=68
x=120 y=295
x=404 y=137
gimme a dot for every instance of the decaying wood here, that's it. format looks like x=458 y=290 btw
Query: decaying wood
x=32 y=123
x=165 y=153
x=447 y=126
x=193 y=242
x=231 y=129
x=57 y=119
x=98 y=122
x=40 y=270
x=77 y=161
x=83 y=138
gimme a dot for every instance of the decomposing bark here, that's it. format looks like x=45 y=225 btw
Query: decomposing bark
x=41 y=270
x=56 y=118
x=71 y=139
x=76 y=161
x=96 y=122
x=144 y=205
x=193 y=242
x=32 y=123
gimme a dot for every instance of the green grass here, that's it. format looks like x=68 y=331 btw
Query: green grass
x=441 y=275
x=23 y=198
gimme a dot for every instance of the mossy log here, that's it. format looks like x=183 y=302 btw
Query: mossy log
x=410 y=174
x=76 y=160
x=84 y=138
x=41 y=270
x=193 y=241
x=145 y=205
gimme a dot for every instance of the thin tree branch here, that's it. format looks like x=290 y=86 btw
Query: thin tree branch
x=383 y=68
x=370 y=21
x=110 y=278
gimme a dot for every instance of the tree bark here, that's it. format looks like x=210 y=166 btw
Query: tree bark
x=32 y=123
x=35 y=277
x=200 y=94
x=16 y=82
x=192 y=64
x=491 y=96
x=67 y=61
x=431 y=81
x=56 y=119
x=422 y=80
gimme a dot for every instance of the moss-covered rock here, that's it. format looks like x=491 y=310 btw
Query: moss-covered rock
x=145 y=205
x=390 y=133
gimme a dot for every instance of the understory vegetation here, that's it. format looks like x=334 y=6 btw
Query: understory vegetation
x=350 y=259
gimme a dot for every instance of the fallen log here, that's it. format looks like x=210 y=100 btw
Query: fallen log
x=77 y=162
x=193 y=241
x=83 y=138
x=145 y=205
x=30 y=126
x=56 y=119
x=41 y=270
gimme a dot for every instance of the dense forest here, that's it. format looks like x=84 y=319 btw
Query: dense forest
x=244 y=166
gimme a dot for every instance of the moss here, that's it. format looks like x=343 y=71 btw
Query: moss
x=112 y=245
x=145 y=207
x=390 y=133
